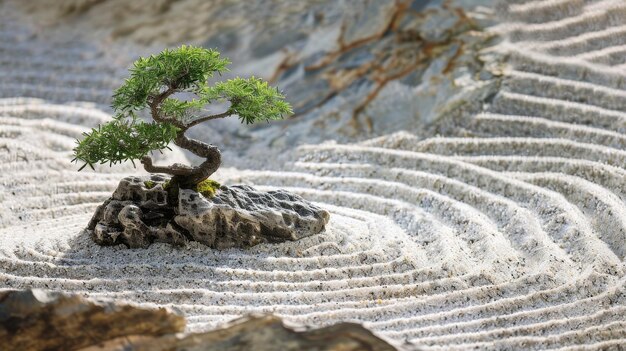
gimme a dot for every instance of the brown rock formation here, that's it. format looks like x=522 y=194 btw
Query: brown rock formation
x=33 y=320
x=36 y=320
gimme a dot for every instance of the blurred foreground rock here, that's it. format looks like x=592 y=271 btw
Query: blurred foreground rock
x=259 y=333
x=139 y=213
x=38 y=320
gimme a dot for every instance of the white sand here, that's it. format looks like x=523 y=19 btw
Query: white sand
x=514 y=238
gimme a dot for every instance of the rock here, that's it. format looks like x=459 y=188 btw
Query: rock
x=352 y=70
x=40 y=320
x=259 y=333
x=265 y=333
x=371 y=20
x=136 y=233
x=239 y=216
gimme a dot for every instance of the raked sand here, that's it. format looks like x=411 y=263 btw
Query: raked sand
x=509 y=234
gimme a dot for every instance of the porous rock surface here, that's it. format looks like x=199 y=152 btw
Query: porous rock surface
x=237 y=216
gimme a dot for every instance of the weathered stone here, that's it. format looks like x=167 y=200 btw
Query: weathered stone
x=337 y=61
x=270 y=41
x=372 y=20
x=136 y=232
x=40 y=320
x=259 y=333
x=240 y=216
x=138 y=214
x=134 y=189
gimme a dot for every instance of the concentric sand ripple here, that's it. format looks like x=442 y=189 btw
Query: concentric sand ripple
x=510 y=234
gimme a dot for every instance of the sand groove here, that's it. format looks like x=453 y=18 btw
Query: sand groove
x=508 y=234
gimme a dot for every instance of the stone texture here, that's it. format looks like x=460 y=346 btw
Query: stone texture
x=371 y=20
x=237 y=216
x=259 y=333
x=353 y=69
x=39 y=320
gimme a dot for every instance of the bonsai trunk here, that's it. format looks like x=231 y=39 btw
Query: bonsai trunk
x=184 y=176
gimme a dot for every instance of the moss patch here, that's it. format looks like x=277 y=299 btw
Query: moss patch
x=208 y=187
x=149 y=184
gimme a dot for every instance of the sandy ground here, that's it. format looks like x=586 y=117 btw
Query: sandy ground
x=510 y=234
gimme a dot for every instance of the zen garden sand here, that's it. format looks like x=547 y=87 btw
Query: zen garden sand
x=504 y=228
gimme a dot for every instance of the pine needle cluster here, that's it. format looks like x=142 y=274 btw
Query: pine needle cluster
x=123 y=139
x=184 y=69
x=252 y=99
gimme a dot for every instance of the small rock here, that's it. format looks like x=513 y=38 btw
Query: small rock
x=236 y=216
x=136 y=232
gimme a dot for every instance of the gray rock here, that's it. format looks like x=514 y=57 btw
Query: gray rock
x=270 y=41
x=352 y=69
x=241 y=214
x=236 y=216
x=372 y=19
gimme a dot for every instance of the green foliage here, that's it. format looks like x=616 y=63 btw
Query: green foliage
x=149 y=184
x=252 y=99
x=208 y=187
x=166 y=184
x=122 y=139
x=178 y=69
x=152 y=84
x=182 y=111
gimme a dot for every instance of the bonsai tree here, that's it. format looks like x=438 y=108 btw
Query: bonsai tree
x=155 y=85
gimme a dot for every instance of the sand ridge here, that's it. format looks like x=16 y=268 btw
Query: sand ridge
x=509 y=233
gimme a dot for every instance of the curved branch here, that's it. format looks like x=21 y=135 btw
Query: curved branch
x=187 y=176
x=208 y=118
x=154 y=109
x=176 y=169
x=205 y=169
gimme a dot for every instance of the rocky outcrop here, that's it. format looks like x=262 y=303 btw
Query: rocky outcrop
x=38 y=320
x=259 y=333
x=350 y=69
x=139 y=213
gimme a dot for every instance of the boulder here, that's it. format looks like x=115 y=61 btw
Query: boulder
x=41 y=320
x=139 y=213
x=38 y=320
x=259 y=333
